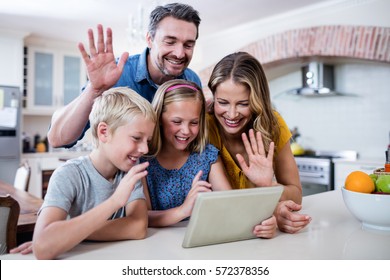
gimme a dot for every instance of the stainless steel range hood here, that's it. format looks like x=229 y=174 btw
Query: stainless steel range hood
x=317 y=80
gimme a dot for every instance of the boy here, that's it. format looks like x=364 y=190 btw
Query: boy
x=102 y=201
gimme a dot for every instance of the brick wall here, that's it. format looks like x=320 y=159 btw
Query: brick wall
x=346 y=41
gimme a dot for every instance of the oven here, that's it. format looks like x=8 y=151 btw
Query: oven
x=316 y=174
x=316 y=171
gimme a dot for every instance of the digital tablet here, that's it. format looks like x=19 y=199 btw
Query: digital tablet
x=226 y=216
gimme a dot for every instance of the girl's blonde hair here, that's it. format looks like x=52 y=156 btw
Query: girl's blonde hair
x=179 y=90
x=118 y=106
x=246 y=70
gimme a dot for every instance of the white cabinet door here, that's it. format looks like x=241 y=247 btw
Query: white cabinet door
x=38 y=165
x=54 y=79
x=73 y=77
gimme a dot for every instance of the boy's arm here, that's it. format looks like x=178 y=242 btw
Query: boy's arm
x=54 y=234
x=133 y=226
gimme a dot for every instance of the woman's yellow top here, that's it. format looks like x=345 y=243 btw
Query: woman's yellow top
x=236 y=176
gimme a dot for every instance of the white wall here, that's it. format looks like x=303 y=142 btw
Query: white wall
x=359 y=121
x=11 y=58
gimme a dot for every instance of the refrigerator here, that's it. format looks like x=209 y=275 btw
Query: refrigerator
x=10 y=135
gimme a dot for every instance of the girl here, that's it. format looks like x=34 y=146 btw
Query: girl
x=186 y=163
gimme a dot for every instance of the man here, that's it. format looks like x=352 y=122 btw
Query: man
x=171 y=37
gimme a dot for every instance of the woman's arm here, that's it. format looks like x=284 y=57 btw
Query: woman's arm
x=286 y=173
x=217 y=176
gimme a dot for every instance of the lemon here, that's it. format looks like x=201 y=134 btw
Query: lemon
x=297 y=149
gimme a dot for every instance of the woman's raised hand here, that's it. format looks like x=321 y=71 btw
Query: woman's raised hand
x=103 y=71
x=259 y=169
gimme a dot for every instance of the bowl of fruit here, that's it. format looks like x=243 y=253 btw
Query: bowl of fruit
x=367 y=197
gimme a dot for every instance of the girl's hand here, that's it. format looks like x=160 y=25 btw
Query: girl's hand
x=103 y=72
x=259 y=169
x=266 y=229
x=197 y=187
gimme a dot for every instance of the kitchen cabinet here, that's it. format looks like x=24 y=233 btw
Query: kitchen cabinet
x=43 y=165
x=53 y=78
x=342 y=169
x=41 y=169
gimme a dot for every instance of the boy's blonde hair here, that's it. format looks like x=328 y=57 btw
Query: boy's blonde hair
x=116 y=107
x=179 y=90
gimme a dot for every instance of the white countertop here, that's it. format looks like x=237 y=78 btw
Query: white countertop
x=377 y=161
x=333 y=234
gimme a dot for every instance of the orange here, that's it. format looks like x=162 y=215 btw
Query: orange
x=358 y=181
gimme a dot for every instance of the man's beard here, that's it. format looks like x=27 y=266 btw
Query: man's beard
x=165 y=72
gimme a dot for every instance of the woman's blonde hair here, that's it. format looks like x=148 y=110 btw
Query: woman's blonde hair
x=246 y=70
x=116 y=107
x=179 y=90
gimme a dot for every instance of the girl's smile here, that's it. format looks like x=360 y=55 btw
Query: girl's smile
x=180 y=123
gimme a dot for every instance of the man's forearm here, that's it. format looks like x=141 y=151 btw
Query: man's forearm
x=68 y=123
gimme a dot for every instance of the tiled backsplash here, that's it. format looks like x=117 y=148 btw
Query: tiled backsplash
x=358 y=122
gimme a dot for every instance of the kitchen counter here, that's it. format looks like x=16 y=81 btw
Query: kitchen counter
x=333 y=234
x=377 y=161
x=342 y=168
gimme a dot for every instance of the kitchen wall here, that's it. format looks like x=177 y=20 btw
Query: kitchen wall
x=11 y=58
x=359 y=121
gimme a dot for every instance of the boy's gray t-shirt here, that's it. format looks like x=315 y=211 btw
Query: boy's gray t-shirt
x=77 y=187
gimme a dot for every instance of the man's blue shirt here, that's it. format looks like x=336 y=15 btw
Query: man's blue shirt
x=135 y=75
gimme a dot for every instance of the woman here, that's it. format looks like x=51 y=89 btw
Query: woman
x=242 y=107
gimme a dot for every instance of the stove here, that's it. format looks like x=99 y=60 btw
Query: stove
x=316 y=170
